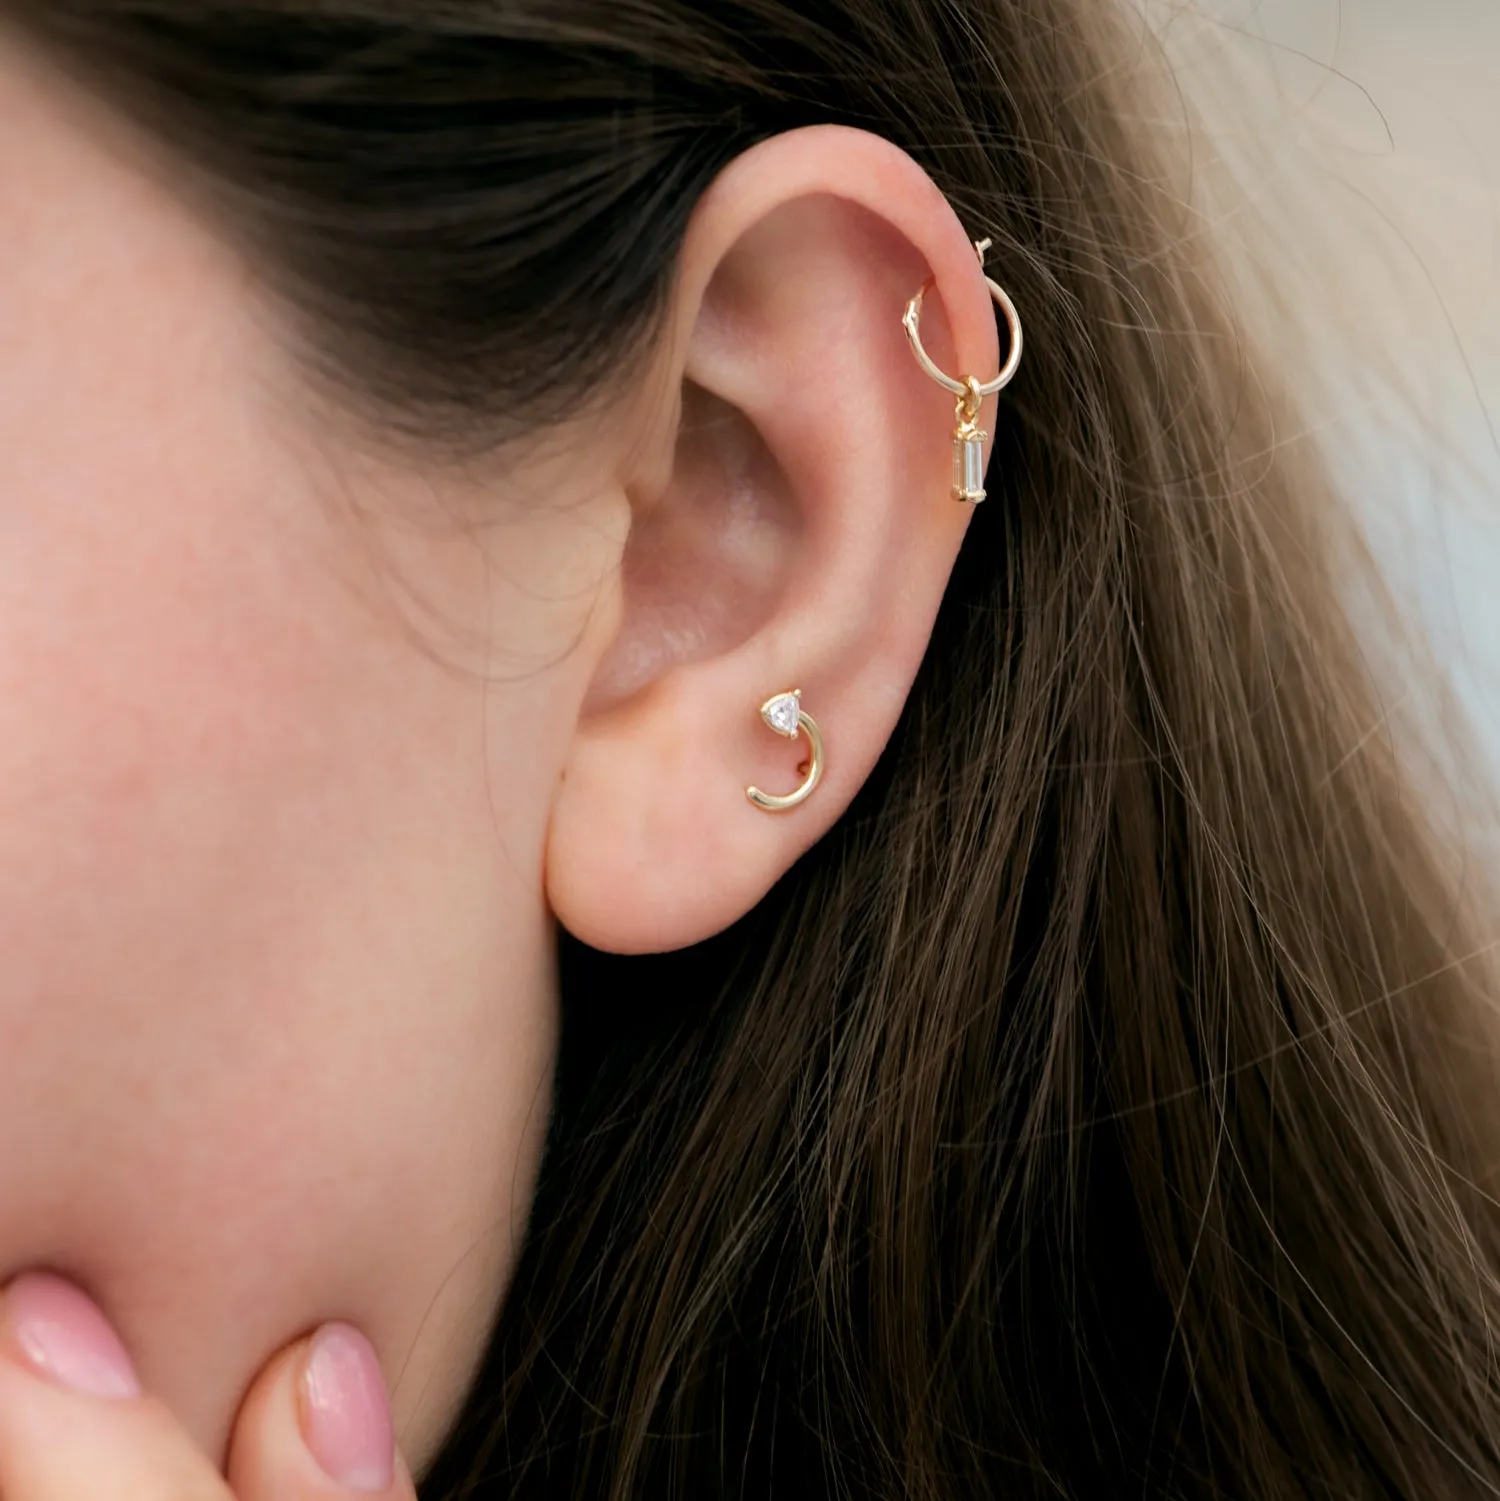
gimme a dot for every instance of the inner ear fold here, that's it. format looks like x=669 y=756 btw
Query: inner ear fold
x=706 y=565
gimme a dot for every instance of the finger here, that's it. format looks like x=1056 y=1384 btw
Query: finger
x=73 y=1421
x=316 y=1426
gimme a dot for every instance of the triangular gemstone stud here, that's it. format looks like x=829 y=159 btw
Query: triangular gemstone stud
x=784 y=713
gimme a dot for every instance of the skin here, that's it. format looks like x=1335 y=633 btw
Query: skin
x=306 y=747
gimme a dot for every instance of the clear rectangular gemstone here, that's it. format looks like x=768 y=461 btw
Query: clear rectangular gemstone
x=968 y=468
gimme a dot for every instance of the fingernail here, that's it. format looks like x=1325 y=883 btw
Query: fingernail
x=66 y=1338
x=346 y=1416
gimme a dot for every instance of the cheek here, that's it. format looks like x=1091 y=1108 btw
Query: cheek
x=275 y=1025
x=275 y=1021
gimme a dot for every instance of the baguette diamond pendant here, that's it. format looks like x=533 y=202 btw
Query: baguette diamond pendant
x=968 y=447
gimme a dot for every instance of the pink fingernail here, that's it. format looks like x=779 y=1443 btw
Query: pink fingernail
x=66 y=1338
x=346 y=1416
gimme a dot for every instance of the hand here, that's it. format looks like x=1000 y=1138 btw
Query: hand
x=74 y=1423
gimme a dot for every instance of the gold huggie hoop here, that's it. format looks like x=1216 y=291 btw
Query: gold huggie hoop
x=784 y=714
x=968 y=440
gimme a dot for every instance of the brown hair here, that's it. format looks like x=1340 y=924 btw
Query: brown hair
x=1094 y=1111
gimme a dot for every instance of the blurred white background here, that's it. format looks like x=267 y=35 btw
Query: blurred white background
x=1366 y=135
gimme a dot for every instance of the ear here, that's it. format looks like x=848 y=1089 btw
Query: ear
x=803 y=538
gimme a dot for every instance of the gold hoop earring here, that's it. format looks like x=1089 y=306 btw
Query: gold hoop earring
x=968 y=440
x=784 y=714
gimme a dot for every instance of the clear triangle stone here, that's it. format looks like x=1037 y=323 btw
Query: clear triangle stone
x=783 y=714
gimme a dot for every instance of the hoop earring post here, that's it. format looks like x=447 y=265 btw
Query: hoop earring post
x=968 y=439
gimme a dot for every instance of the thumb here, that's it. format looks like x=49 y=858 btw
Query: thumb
x=74 y=1422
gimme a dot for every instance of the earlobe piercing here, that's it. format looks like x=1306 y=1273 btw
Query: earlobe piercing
x=968 y=440
x=784 y=714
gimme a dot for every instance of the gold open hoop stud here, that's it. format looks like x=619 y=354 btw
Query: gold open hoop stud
x=784 y=714
x=968 y=440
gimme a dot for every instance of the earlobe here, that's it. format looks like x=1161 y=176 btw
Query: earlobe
x=797 y=269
